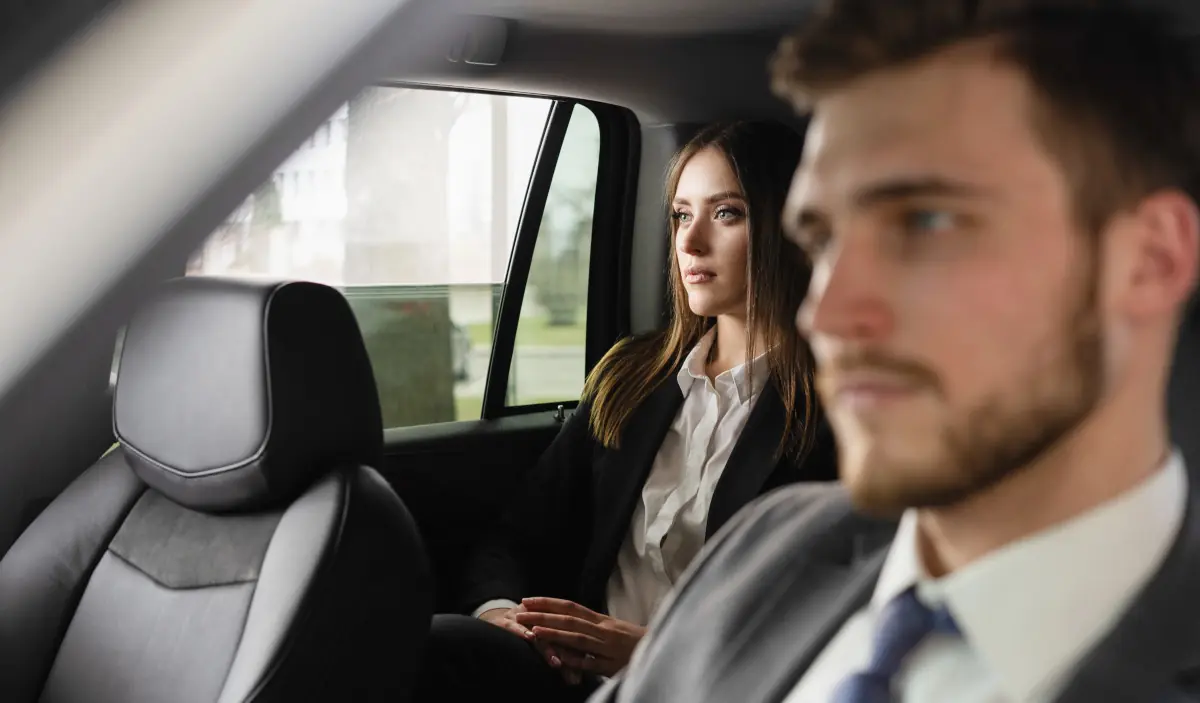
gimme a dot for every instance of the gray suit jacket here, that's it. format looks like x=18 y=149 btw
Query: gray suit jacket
x=777 y=583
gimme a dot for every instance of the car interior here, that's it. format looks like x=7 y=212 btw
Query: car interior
x=118 y=169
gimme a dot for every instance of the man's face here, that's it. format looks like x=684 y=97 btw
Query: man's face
x=953 y=306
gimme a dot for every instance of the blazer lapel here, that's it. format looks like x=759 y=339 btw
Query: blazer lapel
x=1157 y=639
x=751 y=462
x=619 y=478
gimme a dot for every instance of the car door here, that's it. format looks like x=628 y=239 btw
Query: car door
x=482 y=241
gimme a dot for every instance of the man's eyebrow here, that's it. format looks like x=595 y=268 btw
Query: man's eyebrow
x=914 y=187
x=798 y=220
x=717 y=197
x=798 y=224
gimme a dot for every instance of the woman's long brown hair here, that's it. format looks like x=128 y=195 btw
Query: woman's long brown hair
x=763 y=156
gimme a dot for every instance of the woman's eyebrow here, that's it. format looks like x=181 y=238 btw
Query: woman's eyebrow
x=716 y=197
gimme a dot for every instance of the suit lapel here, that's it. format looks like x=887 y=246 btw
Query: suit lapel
x=805 y=586
x=850 y=587
x=619 y=478
x=1157 y=639
x=751 y=462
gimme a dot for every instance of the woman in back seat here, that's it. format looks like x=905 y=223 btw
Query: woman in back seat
x=677 y=430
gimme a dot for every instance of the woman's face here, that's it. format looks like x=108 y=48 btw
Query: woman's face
x=712 y=235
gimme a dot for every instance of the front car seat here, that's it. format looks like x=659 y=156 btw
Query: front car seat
x=236 y=546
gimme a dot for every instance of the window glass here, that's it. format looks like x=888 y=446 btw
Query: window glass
x=408 y=201
x=548 y=361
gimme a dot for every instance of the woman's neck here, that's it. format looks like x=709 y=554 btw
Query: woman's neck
x=729 y=348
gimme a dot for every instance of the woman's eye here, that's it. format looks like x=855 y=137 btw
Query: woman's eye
x=681 y=216
x=728 y=213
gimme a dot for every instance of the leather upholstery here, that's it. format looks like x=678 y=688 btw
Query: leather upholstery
x=233 y=396
x=221 y=562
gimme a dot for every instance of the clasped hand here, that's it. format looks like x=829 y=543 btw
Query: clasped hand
x=572 y=638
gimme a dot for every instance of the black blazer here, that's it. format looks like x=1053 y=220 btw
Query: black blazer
x=787 y=573
x=565 y=526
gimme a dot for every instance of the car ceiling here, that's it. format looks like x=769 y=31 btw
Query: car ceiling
x=670 y=62
x=656 y=17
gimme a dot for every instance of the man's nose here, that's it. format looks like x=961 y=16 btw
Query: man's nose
x=847 y=299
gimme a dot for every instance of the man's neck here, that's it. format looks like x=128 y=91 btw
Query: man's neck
x=1102 y=459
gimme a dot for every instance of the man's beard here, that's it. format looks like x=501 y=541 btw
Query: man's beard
x=998 y=437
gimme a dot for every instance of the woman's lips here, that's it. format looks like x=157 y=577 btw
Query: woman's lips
x=697 y=275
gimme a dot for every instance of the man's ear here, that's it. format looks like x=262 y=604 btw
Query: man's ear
x=1165 y=248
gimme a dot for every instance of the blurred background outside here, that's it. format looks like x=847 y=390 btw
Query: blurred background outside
x=408 y=201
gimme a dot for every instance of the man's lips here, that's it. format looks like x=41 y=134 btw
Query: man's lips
x=861 y=397
x=870 y=391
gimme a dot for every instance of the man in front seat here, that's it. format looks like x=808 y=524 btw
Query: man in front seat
x=999 y=199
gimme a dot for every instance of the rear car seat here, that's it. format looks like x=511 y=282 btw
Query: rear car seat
x=236 y=546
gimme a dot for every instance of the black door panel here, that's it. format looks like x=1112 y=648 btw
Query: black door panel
x=456 y=477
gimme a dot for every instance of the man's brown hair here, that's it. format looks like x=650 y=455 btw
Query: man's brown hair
x=1117 y=100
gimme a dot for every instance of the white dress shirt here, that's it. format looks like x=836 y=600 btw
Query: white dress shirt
x=1028 y=612
x=669 y=522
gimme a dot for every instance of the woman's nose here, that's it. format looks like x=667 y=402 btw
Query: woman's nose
x=692 y=239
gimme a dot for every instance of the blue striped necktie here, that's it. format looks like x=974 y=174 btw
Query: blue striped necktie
x=904 y=623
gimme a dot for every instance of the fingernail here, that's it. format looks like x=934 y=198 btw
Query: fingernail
x=556 y=661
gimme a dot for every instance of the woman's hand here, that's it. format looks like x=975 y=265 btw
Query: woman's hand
x=507 y=619
x=586 y=640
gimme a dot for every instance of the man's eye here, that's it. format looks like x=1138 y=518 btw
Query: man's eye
x=923 y=221
x=813 y=241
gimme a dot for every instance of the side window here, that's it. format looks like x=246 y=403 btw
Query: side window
x=548 y=363
x=408 y=200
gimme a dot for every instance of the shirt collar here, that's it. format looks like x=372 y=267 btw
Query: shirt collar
x=735 y=378
x=1020 y=609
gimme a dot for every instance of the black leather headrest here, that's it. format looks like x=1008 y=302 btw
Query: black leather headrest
x=233 y=395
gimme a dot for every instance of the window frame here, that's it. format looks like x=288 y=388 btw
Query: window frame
x=609 y=271
x=497 y=390
x=607 y=316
